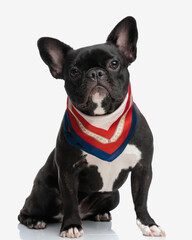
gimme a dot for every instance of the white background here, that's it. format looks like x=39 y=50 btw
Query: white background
x=33 y=104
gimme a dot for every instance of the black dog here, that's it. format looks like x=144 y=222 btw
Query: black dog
x=103 y=136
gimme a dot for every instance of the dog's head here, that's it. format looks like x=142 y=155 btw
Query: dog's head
x=96 y=77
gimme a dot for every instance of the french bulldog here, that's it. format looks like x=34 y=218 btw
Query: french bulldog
x=103 y=136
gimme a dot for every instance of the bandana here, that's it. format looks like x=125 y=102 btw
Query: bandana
x=105 y=136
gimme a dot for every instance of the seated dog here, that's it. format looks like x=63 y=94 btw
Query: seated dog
x=103 y=136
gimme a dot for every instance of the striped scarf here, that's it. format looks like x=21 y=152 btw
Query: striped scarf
x=105 y=136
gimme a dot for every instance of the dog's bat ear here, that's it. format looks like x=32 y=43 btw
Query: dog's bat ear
x=53 y=52
x=125 y=36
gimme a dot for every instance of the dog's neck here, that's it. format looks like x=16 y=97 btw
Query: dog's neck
x=100 y=121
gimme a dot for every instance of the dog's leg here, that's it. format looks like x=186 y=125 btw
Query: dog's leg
x=71 y=225
x=97 y=206
x=44 y=201
x=69 y=162
x=140 y=183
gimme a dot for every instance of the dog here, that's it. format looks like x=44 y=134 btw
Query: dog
x=103 y=136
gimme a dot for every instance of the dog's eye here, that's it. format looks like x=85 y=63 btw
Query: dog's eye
x=114 y=64
x=74 y=72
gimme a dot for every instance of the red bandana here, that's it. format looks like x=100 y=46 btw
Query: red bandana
x=103 y=136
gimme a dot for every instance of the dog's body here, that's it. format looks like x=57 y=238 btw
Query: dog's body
x=75 y=183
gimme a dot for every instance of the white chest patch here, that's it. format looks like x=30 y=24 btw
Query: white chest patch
x=109 y=171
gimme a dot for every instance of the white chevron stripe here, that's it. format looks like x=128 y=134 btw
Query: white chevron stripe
x=100 y=138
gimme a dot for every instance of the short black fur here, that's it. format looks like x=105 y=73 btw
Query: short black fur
x=66 y=184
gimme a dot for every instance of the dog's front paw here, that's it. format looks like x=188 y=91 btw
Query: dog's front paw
x=73 y=232
x=152 y=231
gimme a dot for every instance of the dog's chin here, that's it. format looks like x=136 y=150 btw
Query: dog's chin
x=97 y=96
x=98 y=93
x=94 y=101
x=99 y=101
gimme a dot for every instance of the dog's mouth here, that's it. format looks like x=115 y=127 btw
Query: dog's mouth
x=100 y=95
x=98 y=92
x=94 y=94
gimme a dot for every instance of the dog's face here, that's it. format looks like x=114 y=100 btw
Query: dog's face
x=96 y=77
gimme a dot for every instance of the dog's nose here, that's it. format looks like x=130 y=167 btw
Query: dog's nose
x=96 y=74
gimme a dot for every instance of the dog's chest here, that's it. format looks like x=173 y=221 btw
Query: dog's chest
x=111 y=173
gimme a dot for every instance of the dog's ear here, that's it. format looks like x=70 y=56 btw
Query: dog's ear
x=53 y=52
x=125 y=36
